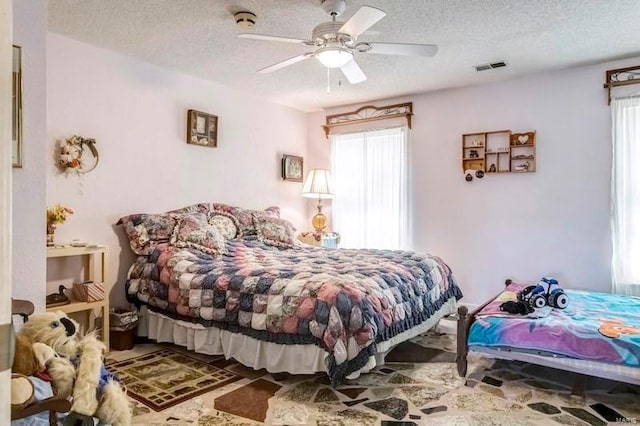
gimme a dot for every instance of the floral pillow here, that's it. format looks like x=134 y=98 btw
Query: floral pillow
x=200 y=207
x=226 y=223
x=145 y=231
x=246 y=217
x=277 y=232
x=193 y=230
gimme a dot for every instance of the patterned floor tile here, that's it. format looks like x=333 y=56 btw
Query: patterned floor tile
x=422 y=395
x=284 y=412
x=584 y=415
x=492 y=390
x=543 y=407
x=401 y=379
x=609 y=414
x=435 y=409
x=352 y=392
x=566 y=419
x=346 y=417
x=354 y=402
x=422 y=385
x=326 y=395
x=491 y=381
x=257 y=392
x=382 y=392
x=393 y=407
x=301 y=392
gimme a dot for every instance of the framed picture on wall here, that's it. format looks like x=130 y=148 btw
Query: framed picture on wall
x=16 y=108
x=292 y=168
x=202 y=128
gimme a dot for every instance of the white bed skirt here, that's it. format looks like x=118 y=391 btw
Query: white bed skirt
x=273 y=357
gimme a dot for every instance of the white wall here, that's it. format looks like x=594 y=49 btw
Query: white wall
x=523 y=226
x=29 y=183
x=137 y=114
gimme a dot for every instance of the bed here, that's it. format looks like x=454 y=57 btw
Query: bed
x=597 y=335
x=271 y=302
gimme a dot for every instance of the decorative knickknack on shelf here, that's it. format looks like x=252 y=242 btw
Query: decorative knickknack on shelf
x=55 y=216
x=72 y=154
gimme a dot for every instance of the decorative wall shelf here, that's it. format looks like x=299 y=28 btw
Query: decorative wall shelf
x=499 y=151
x=369 y=113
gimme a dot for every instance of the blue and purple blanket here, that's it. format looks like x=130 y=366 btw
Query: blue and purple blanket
x=595 y=326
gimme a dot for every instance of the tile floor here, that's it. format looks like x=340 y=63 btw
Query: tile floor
x=418 y=385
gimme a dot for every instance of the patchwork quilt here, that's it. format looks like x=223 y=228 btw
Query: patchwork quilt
x=344 y=301
x=595 y=326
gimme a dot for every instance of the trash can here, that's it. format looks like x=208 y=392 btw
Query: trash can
x=122 y=328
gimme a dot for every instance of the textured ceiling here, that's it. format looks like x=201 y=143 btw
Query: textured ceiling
x=198 y=37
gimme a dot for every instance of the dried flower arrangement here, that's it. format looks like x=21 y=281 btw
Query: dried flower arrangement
x=57 y=215
x=69 y=154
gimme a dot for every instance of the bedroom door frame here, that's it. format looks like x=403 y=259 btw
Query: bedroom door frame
x=6 y=68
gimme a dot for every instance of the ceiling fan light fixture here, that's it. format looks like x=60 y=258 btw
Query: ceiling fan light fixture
x=334 y=57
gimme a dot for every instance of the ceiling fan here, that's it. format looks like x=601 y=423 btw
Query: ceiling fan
x=336 y=42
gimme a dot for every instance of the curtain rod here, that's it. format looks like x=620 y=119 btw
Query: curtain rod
x=621 y=77
x=369 y=113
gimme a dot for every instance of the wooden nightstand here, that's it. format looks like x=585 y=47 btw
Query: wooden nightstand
x=322 y=239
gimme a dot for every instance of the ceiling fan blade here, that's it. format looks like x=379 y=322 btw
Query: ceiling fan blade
x=353 y=72
x=408 y=49
x=273 y=38
x=362 y=20
x=286 y=62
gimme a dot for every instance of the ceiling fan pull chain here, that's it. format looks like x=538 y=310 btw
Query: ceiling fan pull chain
x=328 y=81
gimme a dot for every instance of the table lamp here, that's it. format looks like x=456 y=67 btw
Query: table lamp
x=318 y=185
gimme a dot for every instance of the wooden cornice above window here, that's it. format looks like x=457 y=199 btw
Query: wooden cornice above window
x=369 y=113
x=621 y=77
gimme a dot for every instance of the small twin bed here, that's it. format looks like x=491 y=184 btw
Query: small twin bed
x=225 y=280
x=596 y=335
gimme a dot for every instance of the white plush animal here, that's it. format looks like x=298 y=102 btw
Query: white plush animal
x=75 y=365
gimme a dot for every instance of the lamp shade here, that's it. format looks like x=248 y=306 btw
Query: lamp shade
x=318 y=184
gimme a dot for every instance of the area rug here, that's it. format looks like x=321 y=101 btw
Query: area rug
x=165 y=378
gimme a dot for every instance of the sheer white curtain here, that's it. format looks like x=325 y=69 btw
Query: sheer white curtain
x=625 y=195
x=370 y=181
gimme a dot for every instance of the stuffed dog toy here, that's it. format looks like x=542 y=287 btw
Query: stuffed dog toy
x=50 y=342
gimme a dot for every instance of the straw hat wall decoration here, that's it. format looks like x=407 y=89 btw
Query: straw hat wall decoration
x=76 y=155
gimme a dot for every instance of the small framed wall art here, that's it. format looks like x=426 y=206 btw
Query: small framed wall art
x=202 y=129
x=292 y=168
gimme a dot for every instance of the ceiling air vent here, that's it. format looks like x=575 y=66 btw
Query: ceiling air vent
x=493 y=65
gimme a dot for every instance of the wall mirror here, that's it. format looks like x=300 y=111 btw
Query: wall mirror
x=16 y=106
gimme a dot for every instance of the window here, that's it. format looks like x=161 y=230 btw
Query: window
x=625 y=195
x=370 y=183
